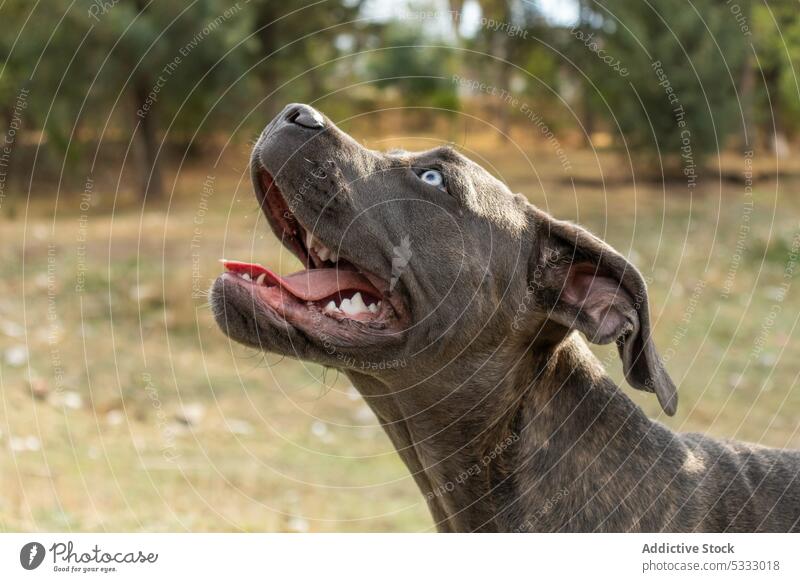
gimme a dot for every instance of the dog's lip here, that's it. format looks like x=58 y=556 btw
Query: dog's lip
x=281 y=219
x=285 y=224
x=297 y=299
x=315 y=287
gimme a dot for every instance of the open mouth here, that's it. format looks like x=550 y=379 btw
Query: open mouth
x=331 y=290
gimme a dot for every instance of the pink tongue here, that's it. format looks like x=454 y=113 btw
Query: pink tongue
x=311 y=285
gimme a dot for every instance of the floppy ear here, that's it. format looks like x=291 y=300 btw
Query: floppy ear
x=586 y=285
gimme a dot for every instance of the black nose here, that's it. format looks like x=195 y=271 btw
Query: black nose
x=306 y=116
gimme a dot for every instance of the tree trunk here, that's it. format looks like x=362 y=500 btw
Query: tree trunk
x=777 y=136
x=747 y=90
x=588 y=121
x=504 y=110
x=456 y=10
x=151 y=184
x=151 y=181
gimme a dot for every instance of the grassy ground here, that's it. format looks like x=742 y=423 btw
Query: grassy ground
x=124 y=408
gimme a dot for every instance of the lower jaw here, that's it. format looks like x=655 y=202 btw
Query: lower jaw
x=328 y=331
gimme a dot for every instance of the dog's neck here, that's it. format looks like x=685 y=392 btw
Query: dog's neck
x=481 y=451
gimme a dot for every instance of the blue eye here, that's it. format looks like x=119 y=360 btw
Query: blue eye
x=433 y=178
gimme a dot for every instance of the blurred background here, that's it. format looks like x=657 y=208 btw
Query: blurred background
x=668 y=127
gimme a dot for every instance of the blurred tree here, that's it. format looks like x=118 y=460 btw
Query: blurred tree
x=681 y=62
x=83 y=60
x=776 y=40
x=512 y=33
x=172 y=63
x=415 y=68
x=589 y=106
x=40 y=58
x=747 y=78
x=301 y=41
x=170 y=76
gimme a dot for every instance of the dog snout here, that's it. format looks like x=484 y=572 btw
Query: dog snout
x=304 y=116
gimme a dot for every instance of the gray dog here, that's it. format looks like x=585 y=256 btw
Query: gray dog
x=459 y=311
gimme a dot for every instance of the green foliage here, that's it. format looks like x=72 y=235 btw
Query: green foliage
x=42 y=57
x=419 y=73
x=777 y=42
x=683 y=62
x=166 y=75
x=297 y=46
x=170 y=76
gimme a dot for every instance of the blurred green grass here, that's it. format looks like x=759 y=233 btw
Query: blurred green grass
x=124 y=407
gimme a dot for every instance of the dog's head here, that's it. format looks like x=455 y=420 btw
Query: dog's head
x=419 y=261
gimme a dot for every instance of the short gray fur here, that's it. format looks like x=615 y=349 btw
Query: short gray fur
x=502 y=414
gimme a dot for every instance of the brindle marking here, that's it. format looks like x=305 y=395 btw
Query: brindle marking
x=502 y=414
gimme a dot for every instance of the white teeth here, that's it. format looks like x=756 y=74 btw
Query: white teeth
x=261 y=277
x=323 y=252
x=246 y=276
x=357 y=302
x=353 y=306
